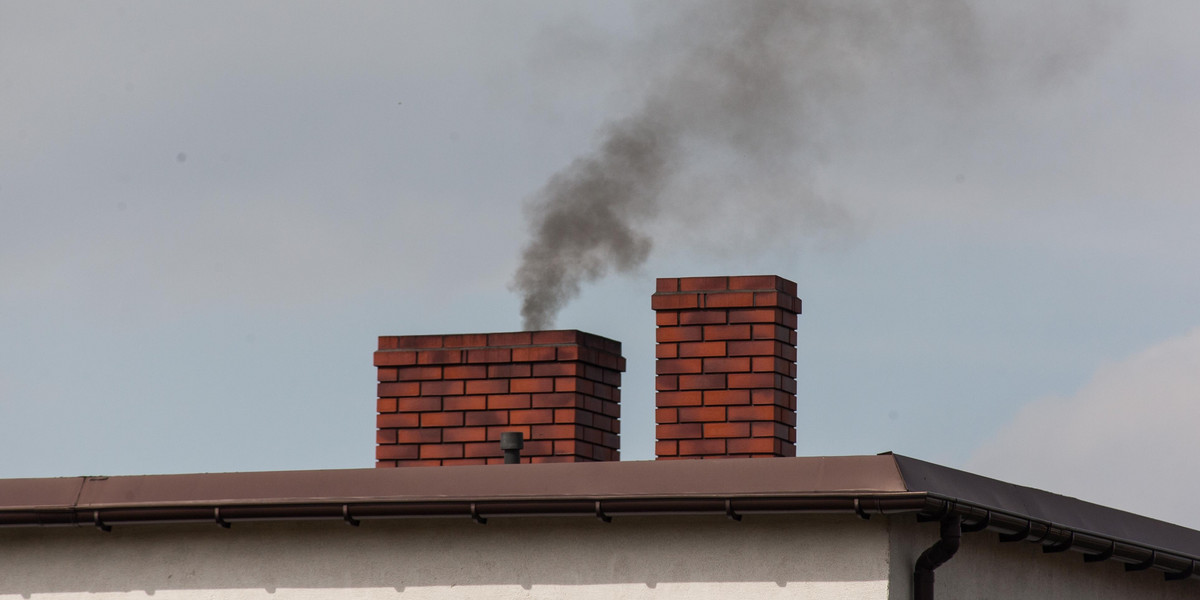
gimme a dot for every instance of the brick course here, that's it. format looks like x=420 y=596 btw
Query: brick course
x=726 y=366
x=445 y=399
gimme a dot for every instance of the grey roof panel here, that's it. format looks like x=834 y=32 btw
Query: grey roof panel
x=1066 y=511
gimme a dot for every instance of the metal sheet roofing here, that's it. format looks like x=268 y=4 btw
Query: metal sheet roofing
x=864 y=485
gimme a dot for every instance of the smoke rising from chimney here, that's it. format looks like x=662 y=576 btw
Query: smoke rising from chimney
x=586 y=221
x=751 y=98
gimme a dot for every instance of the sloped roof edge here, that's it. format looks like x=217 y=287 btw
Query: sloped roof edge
x=865 y=485
x=598 y=480
x=1042 y=507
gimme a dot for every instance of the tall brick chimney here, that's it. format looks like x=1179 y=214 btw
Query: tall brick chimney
x=726 y=367
x=445 y=399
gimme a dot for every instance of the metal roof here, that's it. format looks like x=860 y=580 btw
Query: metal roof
x=866 y=485
x=1065 y=511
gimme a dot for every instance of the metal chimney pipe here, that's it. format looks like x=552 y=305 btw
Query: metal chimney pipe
x=511 y=443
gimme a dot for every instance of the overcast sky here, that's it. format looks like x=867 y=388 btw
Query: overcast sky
x=209 y=211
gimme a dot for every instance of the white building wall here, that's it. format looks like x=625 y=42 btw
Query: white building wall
x=984 y=568
x=697 y=558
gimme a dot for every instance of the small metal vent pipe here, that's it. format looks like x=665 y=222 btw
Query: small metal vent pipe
x=511 y=443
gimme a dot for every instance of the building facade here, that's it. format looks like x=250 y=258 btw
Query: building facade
x=450 y=512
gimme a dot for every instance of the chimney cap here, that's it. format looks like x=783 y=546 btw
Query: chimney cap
x=512 y=440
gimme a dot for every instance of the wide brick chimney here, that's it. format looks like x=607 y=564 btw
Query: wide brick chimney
x=445 y=399
x=726 y=367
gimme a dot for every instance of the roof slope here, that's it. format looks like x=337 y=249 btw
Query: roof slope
x=860 y=484
x=1065 y=511
x=631 y=479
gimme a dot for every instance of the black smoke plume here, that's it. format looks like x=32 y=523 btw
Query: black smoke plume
x=748 y=98
x=586 y=221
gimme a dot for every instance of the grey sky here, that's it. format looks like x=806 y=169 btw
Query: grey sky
x=208 y=211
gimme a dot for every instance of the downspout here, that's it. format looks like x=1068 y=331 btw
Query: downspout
x=935 y=556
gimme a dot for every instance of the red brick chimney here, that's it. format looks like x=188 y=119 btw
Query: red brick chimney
x=726 y=367
x=445 y=399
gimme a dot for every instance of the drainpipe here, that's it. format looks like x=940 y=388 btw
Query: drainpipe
x=935 y=556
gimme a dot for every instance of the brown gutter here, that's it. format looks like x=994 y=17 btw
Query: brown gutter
x=813 y=484
x=1056 y=537
x=1058 y=523
x=481 y=508
x=863 y=485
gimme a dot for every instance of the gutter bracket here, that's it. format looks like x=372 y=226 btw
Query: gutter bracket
x=1045 y=534
x=1061 y=546
x=858 y=510
x=218 y=519
x=1019 y=536
x=1142 y=566
x=922 y=517
x=600 y=514
x=351 y=521
x=729 y=511
x=100 y=524
x=1101 y=556
x=941 y=514
x=1180 y=575
x=979 y=525
x=475 y=515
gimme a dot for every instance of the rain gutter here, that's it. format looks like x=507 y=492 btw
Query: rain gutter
x=480 y=509
x=1057 y=537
